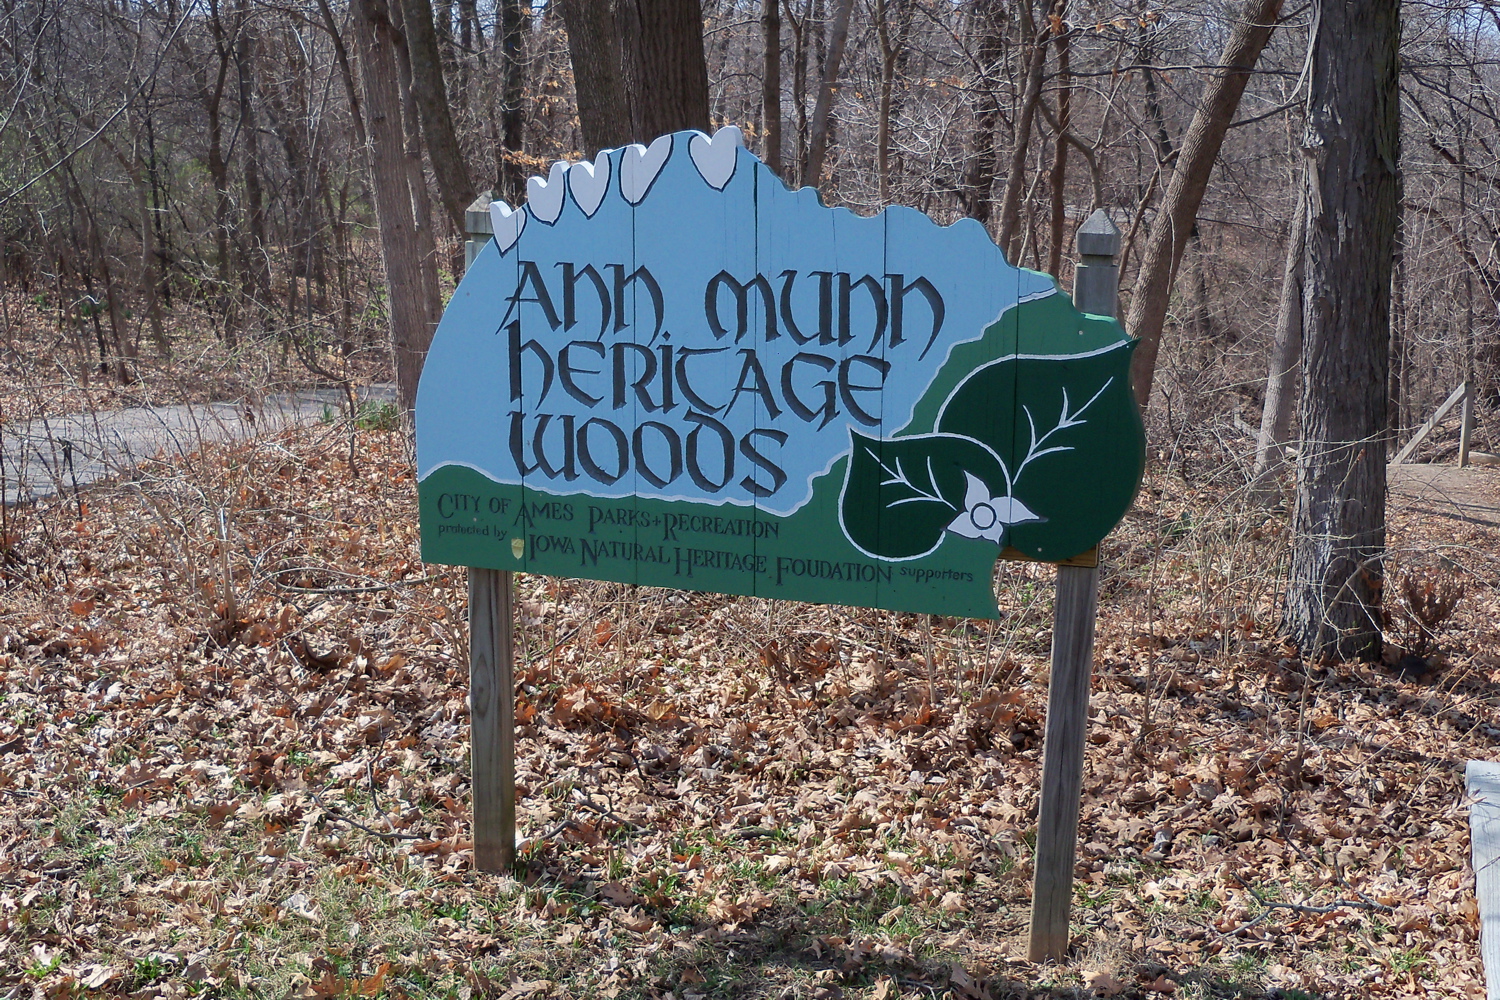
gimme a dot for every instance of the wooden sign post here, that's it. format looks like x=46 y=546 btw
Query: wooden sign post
x=668 y=368
x=1095 y=282
x=492 y=691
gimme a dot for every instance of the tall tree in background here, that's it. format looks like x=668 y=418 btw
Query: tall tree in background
x=1286 y=355
x=1037 y=41
x=638 y=68
x=430 y=94
x=1195 y=162
x=509 y=174
x=1353 y=143
x=770 y=82
x=817 y=143
x=987 y=23
x=401 y=211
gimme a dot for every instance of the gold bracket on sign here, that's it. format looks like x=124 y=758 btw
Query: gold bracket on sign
x=1086 y=559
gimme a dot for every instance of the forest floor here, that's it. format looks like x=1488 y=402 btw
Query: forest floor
x=233 y=744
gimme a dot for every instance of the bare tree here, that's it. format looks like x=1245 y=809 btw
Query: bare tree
x=1195 y=161
x=817 y=143
x=413 y=301
x=1353 y=140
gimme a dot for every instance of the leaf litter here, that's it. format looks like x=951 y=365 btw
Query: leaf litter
x=233 y=760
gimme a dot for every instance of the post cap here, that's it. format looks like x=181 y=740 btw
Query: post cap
x=1098 y=236
x=477 y=220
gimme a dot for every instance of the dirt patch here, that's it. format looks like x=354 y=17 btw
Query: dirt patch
x=1470 y=494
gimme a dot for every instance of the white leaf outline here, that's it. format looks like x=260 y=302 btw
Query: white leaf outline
x=899 y=478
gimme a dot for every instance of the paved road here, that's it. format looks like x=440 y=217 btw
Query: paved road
x=49 y=454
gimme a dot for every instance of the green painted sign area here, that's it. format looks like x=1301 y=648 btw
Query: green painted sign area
x=670 y=369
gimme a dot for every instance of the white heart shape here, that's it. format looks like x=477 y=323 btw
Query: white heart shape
x=639 y=166
x=544 y=195
x=715 y=158
x=508 y=223
x=589 y=181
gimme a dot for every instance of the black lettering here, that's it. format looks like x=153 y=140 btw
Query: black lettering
x=531 y=274
x=570 y=286
x=748 y=449
x=566 y=371
x=683 y=354
x=898 y=308
x=759 y=385
x=824 y=333
x=877 y=298
x=517 y=350
x=518 y=443
x=847 y=387
x=726 y=442
x=829 y=409
x=586 y=457
x=674 y=453
x=566 y=468
x=642 y=381
x=667 y=402
x=741 y=305
x=643 y=276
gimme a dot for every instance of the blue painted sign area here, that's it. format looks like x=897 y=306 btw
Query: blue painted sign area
x=669 y=368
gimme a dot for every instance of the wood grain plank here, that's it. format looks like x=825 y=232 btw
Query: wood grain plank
x=1062 y=766
x=1482 y=780
x=492 y=720
x=1454 y=398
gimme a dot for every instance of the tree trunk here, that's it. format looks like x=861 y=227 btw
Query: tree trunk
x=817 y=143
x=149 y=279
x=412 y=294
x=1015 y=178
x=594 y=50
x=770 y=82
x=416 y=180
x=979 y=173
x=218 y=172
x=1059 y=175
x=1286 y=352
x=1333 y=601
x=511 y=176
x=1195 y=162
x=799 y=86
x=638 y=69
x=256 y=265
x=431 y=96
x=666 y=75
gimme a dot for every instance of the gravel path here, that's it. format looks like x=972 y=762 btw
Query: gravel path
x=43 y=456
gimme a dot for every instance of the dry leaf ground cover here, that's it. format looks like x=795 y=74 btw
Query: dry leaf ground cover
x=233 y=763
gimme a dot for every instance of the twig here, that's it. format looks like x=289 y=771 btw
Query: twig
x=333 y=813
x=1272 y=905
x=366 y=589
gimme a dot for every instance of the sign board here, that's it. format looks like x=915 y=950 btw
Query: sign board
x=670 y=369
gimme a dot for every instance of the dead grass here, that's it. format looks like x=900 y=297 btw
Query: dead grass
x=233 y=760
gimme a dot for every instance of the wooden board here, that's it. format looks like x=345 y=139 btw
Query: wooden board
x=1482 y=780
x=1454 y=398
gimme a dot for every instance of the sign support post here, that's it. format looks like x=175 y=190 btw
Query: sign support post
x=492 y=715
x=1096 y=280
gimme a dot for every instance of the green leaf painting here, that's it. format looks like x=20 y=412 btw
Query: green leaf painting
x=1038 y=453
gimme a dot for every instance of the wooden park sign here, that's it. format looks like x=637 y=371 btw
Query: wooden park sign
x=668 y=368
